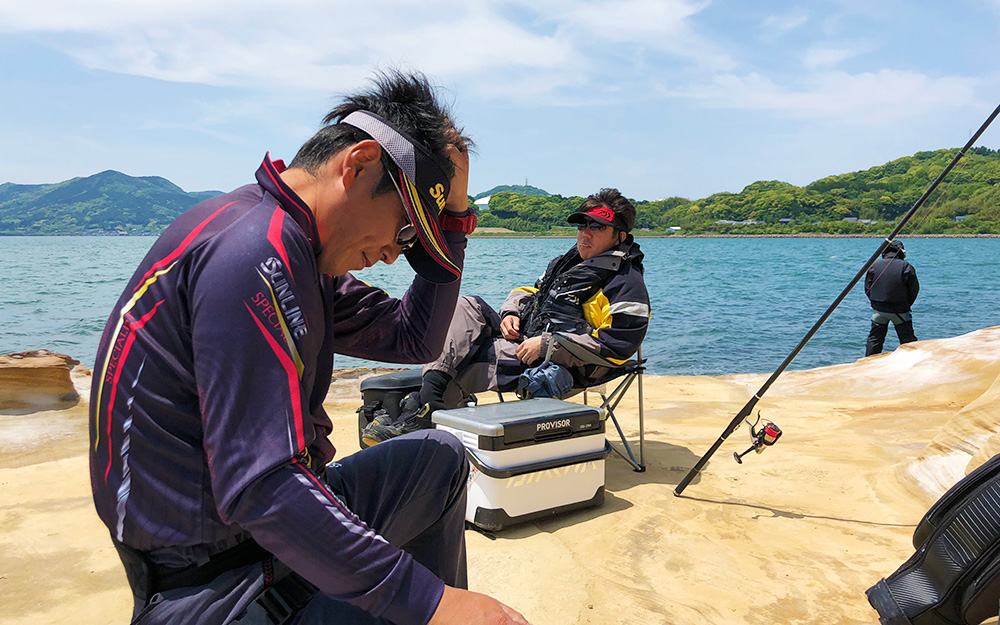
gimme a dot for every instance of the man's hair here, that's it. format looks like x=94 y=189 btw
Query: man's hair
x=408 y=102
x=616 y=202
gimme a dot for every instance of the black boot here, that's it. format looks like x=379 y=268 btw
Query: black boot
x=876 y=338
x=413 y=416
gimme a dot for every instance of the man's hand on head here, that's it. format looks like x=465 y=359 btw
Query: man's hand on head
x=463 y=607
x=458 y=196
x=530 y=350
x=510 y=327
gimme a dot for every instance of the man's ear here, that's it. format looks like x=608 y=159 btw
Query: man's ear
x=622 y=235
x=360 y=157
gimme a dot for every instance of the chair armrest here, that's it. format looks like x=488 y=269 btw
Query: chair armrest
x=582 y=353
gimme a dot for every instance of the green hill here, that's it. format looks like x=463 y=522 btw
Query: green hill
x=520 y=189
x=864 y=202
x=106 y=203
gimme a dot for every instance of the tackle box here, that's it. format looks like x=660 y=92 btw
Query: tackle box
x=529 y=459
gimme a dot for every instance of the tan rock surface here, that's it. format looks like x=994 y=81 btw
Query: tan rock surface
x=794 y=535
x=36 y=380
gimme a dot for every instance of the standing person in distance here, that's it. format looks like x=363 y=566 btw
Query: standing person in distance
x=891 y=285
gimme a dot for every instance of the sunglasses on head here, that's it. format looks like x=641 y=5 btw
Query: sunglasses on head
x=593 y=225
x=407 y=235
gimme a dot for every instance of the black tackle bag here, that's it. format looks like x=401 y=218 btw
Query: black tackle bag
x=384 y=392
x=954 y=576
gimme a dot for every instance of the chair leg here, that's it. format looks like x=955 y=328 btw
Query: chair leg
x=642 y=425
x=626 y=455
x=609 y=404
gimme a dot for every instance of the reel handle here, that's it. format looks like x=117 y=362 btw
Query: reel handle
x=766 y=436
x=739 y=457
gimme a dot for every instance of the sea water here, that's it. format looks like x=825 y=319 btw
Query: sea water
x=719 y=305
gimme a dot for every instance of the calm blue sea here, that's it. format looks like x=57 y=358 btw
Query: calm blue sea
x=719 y=305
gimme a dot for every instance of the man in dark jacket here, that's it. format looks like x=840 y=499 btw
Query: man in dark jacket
x=595 y=293
x=209 y=457
x=891 y=285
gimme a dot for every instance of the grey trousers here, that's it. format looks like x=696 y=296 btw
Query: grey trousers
x=475 y=354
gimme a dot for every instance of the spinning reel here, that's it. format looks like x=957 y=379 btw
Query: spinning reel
x=766 y=436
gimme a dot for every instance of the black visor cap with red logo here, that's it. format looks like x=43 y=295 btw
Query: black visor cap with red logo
x=600 y=214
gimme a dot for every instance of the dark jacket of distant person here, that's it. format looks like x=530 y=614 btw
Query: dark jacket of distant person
x=891 y=283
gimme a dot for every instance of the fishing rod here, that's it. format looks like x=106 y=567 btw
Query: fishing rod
x=764 y=437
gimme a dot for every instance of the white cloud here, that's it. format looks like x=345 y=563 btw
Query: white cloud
x=628 y=20
x=311 y=45
x=781 y=24
x=830 y=56
x=300 y=44
x=866 y=98
x=663 y=25
x=110 y=16
x=555 y=52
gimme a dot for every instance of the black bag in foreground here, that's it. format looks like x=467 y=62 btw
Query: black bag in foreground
x=954 y=576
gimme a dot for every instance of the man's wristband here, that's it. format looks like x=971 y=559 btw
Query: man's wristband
x=466 y=222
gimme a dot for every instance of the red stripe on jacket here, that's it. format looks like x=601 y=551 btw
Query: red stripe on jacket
x=293 y=380
x=274 y=236
x=277 y=184
x=133 y=327
x=180 y=248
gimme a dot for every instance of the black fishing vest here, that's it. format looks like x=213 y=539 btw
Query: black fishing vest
x=562 y=291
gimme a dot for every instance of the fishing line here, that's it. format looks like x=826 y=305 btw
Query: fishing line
x=748 y=408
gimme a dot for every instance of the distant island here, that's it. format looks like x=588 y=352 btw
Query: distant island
x=107 y=203
x=857 y=203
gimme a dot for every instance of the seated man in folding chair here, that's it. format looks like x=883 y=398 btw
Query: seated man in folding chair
x=594 y=293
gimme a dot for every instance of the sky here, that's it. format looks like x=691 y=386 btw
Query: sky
x=657 y=98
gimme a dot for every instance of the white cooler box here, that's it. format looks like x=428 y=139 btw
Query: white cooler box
x=530 y=459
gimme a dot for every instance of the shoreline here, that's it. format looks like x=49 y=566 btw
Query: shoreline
x=521 y=235
x=526 y=235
